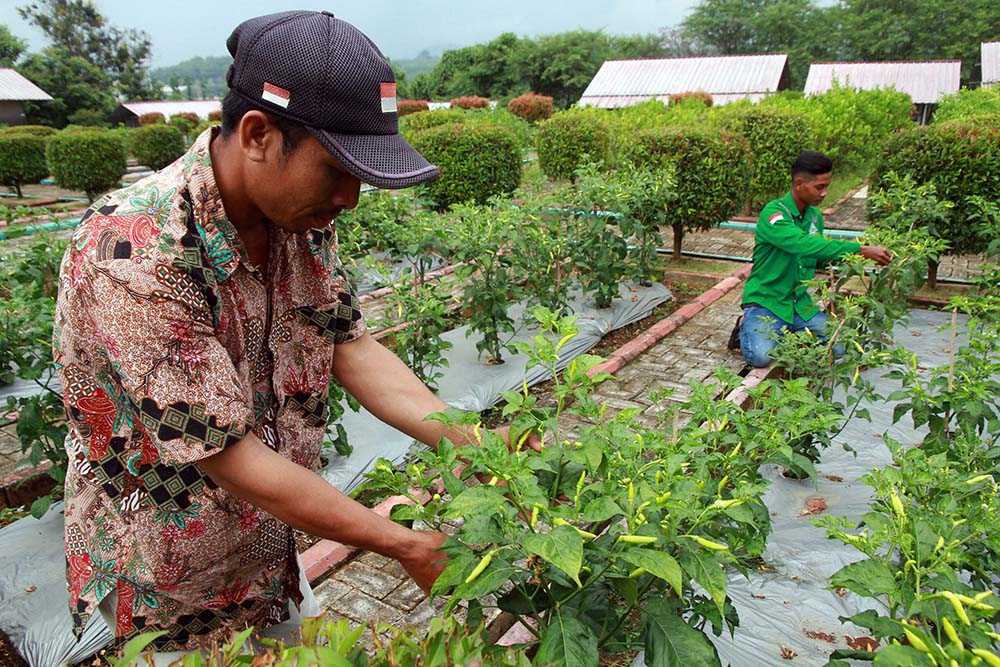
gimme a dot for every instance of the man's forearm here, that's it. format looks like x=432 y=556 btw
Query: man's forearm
x=303 y=499
x=388 y=389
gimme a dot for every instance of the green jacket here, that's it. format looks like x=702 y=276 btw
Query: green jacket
x=788 y=248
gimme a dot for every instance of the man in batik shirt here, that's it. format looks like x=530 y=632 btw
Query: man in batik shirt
x=202 y=314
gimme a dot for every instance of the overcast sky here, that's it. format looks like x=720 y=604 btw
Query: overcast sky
x=181 y=29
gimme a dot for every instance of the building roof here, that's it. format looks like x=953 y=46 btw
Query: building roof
x=991 y=62
x=924 y=81
x=14 y=87
x=622 y=83
x=170 y=107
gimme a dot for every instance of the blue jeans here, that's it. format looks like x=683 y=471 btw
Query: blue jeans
x=761 y=328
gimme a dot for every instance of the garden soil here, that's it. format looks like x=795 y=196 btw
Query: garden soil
x=788 y=615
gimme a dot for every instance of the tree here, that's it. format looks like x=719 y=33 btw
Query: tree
x=72 y=82
x=562 y=65
x=80 y=30
x=11 y=47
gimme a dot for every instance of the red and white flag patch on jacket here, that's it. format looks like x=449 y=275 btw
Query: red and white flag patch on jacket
x=388 y=94
x=276 y=95
x=777 y=217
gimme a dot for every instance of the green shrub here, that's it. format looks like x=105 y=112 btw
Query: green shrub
x=202 y=126
x=152 y=118
x=34 y=130
x=699 y=96
x=712 y=174
x=215 y=116
x=531 y=107
x=776 y=137
x=22 y=160
x=406 y=107
x=961 y=160
x=418 y=122
x=88 y=117
x=185 y=121
x=570 y=139
x=523 y=131
x=477 y=162
x=91 y=161
x=156 y=146
x=967 y=103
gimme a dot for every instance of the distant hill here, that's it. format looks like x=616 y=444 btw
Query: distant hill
x=205 y=76
x=423 y=63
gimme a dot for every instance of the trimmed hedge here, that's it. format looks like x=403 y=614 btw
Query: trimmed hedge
x=202 y=126
x=419 y=122
x=477 y=162
x=33 y=130
x=961 y=160
x=215 y=116
x=92 y=161
x=571 y=138
x=88 y=117
x=152 y=118
x=156 y=146
x=406 y=107
x=968 y=103
x=776 y=137
x=531 y=107
x=185 y=121
x=470 y=102
x=22 y=160
x=712 y=172
x=697 y=95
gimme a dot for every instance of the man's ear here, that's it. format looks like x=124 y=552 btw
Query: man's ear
x=258 y=136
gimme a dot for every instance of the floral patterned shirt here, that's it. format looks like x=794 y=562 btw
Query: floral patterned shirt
x=171 y=346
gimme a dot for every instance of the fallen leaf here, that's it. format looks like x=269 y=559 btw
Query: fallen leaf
x=814 y=505
x=834 y=478
x=861 y=643
x=841 y=592
x=31 y=589
x=822 y=636
x=787 y=653
x=758 y=597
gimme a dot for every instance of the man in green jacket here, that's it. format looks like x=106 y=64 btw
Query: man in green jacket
x=789 y=246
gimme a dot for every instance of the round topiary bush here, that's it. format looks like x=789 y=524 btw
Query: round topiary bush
x=91 y=161
x=570 y=139
x=185 y=121
x=961 y=159
x=156 y=146
x=410 y=125
x=215 y=116
x=34 y=130
x=22 y=160
x=88 y=117
x=712 y=172
x=470 y=102
x=407 y=107
x=202 y=126
x=531 y=107
x=152 y=118
x=698 y=95
x=476 y=161
x=776 y=137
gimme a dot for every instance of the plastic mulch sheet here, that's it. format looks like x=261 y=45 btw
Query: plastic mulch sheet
x=34 y=610
x=469 y=384
x=792 y=606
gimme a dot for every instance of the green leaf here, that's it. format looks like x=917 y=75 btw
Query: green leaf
x=455 y=572
x=670 y=642
x=516 y=602
x=659 y=564
x=562 y=548
x=897 y=655
x=601 y=509
x=879 y=625
x=867 y=578
x=41 y=506
x=706 y=569
x=134 y=648
x=567 y=642
x=476 y=500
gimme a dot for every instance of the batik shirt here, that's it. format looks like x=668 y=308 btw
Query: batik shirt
x=171 y=346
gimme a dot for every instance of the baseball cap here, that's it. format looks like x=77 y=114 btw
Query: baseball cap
x=320 y=71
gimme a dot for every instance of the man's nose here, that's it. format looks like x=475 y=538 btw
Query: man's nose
x=348 y=191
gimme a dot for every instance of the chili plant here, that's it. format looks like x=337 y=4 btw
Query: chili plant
x=600 y=258
x=542 y=254
x=420 y=313
x=615 y=523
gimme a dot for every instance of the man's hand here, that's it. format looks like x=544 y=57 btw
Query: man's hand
x=876 y=253
x=531 y=442
x=424 y=561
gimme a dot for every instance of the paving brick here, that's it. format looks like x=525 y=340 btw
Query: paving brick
x=376 y=583
x=363 y=608
x=394 y=569
x=406 y=596
x=329 y=591
x=374 y=560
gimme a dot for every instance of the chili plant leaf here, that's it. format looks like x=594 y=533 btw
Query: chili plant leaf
x=476 y=500
x=567 y=641
x=601 y=509
x=659 y=564
x=670 y=642
x=897 y=655
x=562 y=548
x=706 y=569
x=867 y=578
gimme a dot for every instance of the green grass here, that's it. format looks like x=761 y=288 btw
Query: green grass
x=844 y=182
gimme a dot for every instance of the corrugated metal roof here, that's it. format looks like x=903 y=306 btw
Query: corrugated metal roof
x=14 y=87
x=624 y=82
x=924 y=81
x=991 y=63
x=170 y=107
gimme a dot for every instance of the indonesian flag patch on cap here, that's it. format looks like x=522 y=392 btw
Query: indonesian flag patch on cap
x=276 y=95
x=388 y=94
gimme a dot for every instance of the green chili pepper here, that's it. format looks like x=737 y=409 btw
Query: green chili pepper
x=949 y=630
x=483 y=564
x=991 y=658
x=708 y=544
x=916 y=642
x=636 y=539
